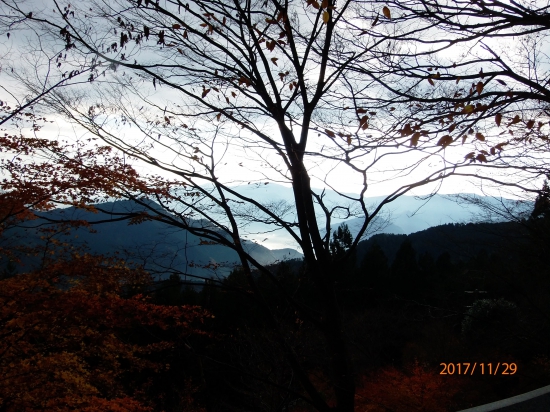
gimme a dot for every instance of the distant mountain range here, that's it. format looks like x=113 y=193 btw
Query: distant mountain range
x=159 y=247
x=155 y=245
x=405 y=215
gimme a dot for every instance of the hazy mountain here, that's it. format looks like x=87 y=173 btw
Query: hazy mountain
x=151 y=243
x=159 y=247
x=405 y=215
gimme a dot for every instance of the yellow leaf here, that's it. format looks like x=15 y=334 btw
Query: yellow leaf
x=468 y=109
x=386 y=12
x=326 y=17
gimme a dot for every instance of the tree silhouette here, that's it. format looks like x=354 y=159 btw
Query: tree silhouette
x=284 y=90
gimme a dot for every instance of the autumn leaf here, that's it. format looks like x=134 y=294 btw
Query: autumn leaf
x=468 y=109
x=431 y=81
x=498 y=119
x=205 y=92
x=274 y=60
x=515 y=120
x=326 y=17
x=406 y=130
x=481 y=158
x=176 y=26
x=479 y=87
x=386 y=12
x=530 y=124
x=364 y=122
x=414 y=139
x=445 y=141
x=349 y=140
x=330 y=133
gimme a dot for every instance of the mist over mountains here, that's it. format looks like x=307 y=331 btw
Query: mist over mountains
x=161 y=248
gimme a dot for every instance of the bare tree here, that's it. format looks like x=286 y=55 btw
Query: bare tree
x=289 y=91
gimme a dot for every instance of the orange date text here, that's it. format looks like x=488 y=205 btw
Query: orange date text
x=467 y=368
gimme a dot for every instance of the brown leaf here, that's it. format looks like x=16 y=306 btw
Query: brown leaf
x=274 y=60
x=326 y=17
x=414 y=139
x=431 y=81
x=498 y=119
x=364 y=122
x=479 y=136
x=406 y=131
x=530 y=124
x=479 y=87
x=330 y=133
x=481 y=158
x=445 y=141
x=349 y=140
x=386 y=12
x=516 y=119
x=176 y=26
x=205 y=92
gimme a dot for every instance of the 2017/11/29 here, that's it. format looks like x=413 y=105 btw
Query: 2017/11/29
x=464 y=368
